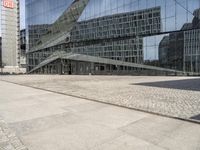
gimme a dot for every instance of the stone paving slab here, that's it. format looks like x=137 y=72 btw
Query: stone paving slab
x=69 y=123
x=8 y=139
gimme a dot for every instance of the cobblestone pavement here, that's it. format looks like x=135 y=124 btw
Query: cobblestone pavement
x=8 y=139
x=171 y=96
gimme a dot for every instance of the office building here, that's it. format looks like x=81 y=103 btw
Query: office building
x=45 y=39
x=9 y=32
x=192 y=51
x=192 y=46
x=163 y=51
x=114 y=26
x=181 y=50
x=71 y=38
x=142 y=22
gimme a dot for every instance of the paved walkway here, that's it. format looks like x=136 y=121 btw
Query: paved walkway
x=171 y=96
x=8 y=139
x=49 y=121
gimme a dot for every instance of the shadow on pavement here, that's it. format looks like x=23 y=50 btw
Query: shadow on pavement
x=187 y=84
x=197 y=117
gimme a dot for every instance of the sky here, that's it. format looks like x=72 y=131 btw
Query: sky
x=22 y=14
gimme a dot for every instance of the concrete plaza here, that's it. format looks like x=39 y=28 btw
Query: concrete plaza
x=45 y=120
x=170 y=96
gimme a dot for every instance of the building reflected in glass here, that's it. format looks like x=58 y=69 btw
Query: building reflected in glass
x=159 y=33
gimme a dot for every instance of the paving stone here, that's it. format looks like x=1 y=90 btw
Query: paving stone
x=171 y=96
x=50 y=121
x=8 y=139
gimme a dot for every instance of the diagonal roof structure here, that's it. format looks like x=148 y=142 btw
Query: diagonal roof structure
x=93 y=59
x=60 y=29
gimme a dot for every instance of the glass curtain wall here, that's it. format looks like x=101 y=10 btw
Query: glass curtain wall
x=181 y=49
x=40 y=14
x=175 y=45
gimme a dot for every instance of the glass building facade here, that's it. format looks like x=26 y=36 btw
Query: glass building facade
x=161 y=33
x=23 y=48
x=9 y=33
x=142 y=22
